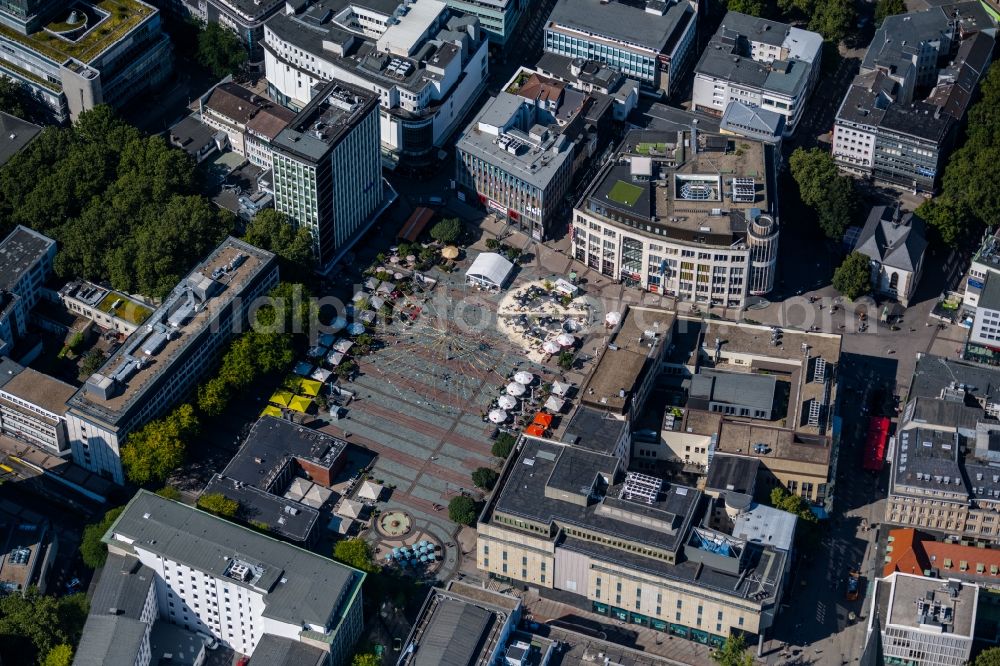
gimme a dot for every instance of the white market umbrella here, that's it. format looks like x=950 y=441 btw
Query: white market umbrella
x=393 y=259
x=515 y=389
x=613 y=318
x=507 y=402
x=565 y=340
x=550 y=347
x=524 y=377
x=498 y=416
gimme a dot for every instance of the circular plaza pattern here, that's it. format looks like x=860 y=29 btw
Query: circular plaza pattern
x=394 y=523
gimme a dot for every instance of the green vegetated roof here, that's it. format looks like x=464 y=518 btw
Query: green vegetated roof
x=644 y=148
x=122 y=16
x=625 y=193
x=130 y=311
x=29 y=76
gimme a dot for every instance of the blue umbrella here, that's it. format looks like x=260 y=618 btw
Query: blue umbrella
x=431 y=556
x=395 y=551
x=388 y=556
x=413 y=562
x=423 y=558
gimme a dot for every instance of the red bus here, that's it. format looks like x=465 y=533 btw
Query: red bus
x=875 y=443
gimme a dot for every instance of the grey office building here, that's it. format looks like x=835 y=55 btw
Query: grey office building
x=328 y=169
x=651 y=41
x=517 y=163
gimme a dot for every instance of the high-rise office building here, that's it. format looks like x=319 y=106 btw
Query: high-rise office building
x=328 y=171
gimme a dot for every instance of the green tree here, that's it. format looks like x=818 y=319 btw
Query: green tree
x=751 y=7
x=92 y=361
x=220 y=50
x=14 y=98
x=834 y=19
x=219 y=504
x=213 y=396
x=503 y=445
x=447 y=230
x=949 y=219
x=60 y=655
x=355 y=553
x=853 y=277
x=33 y=624
x=123 y=207
x=93 y=550
x=796 y=504
x=462 y=510
x=158 y=448
x=271 y=230
x=170 y=493
x=887 y=8
x=566 y=359
x=366 y=659
x=485 y=478
x=823 y=188
x=988 y=657
x=733 y=652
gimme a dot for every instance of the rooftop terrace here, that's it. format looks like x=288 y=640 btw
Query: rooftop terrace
x=107 y=22
x=694 y=186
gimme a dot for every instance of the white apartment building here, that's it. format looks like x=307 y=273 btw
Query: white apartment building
x=760 y=63
x=661 y=217
x=426 y=62
x=237 y=585
x=160 y=363
x=926 y=621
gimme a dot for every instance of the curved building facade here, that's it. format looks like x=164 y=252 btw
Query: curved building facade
x=762 y=238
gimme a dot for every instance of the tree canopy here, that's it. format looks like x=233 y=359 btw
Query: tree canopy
x=34 y=625
x=462 y=510
x=970 y=192
x=271 y=230
x=751 y=7
x=823 y=188
x=485 y=478
x=124 y=207
x=503 y=445
x=93 y=550
x=365 y=659
x=447 y=230
x=218 y=504
x=60 y=655
x=355 y=553
x=988 y=657
x=153 y=452
x=733 y=652
x=853 y=277
x=220 y=50
x=15 y=99
x=887 y=8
